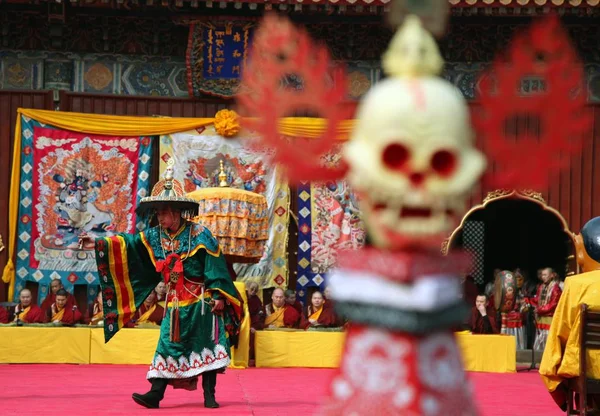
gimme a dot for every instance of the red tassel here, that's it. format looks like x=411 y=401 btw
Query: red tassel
x=178 y=266
x=160 y=265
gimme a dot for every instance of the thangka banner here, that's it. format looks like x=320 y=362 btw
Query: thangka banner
x=328 y=221
x=197 y=156
x=74 y=183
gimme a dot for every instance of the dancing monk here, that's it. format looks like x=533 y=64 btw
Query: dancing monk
x=204 y=309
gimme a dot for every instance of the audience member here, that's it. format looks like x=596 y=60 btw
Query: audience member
x=97 y=311
x=545 y=303
x=27 y=311
x=55 y=286
x=150 y=312
x=61 y=312
x=290 y=299
x=526 y=290
x=257 y=316
x=483 y=319
x=279 y=314
x=161 y=293
x=317 y=315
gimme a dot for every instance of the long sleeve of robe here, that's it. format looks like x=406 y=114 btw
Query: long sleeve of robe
x=192 y=339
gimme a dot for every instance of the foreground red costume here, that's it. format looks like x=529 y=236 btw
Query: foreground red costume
x=411 y=160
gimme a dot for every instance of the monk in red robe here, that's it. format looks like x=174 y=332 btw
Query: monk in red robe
x=3 y=315
x=150 y=312
x=257 y=316
x=97 y=311
x=290 y=299
x=55 y=286
x=27 y=311
x=316 y=315
x=62 y=313
x=483 y=317
x=279 y=314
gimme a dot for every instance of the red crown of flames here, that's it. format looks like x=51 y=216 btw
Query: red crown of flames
x=279 y=50
x=543 y=51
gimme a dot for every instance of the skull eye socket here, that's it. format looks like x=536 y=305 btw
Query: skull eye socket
x=395 y=156
x=443 y=162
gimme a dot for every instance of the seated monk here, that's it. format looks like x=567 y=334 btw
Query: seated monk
x=150 y=312
x=55 y=286
x=328 y=303
x=257 y=316
x=560 y=362
x=97 y=311
x=290 y=299
x=63 y=314
x=279 y=314
x=161 y=293
x=317 y=315
x=3 y=315
x=28 y=312
x=483 y=317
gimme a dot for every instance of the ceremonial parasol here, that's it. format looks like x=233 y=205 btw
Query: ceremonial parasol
x=239 y=219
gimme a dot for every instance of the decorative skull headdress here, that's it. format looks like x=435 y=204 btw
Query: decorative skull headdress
x=412 y=159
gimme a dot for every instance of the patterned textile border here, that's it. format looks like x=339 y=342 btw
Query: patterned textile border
x=93 y=73
x=51 y=168
x=197 y=157
x=328 y=221
x=131 y=75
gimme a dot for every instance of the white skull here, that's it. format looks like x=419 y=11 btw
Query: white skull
x=412 y=159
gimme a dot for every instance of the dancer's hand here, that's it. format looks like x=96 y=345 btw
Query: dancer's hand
x=218 y=305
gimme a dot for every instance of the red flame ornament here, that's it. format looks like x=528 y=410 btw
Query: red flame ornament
x=543 y=53
x=281 y=50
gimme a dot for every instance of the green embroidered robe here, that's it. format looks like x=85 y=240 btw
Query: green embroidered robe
x=127 y=265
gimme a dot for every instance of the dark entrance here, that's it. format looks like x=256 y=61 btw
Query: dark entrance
x=516 y=232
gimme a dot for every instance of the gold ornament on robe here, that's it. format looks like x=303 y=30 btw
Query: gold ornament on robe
x=1 y=244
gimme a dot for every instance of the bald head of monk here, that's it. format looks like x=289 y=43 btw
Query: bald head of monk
x=25 y=298
x=56 y=285
x=278 y=297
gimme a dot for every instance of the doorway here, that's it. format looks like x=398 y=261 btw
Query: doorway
x=512 y=229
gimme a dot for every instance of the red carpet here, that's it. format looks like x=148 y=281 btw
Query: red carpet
x=106 y=389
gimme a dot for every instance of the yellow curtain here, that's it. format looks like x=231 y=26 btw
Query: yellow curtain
x=126 y=126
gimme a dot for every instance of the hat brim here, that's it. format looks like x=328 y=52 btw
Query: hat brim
x=148 y=206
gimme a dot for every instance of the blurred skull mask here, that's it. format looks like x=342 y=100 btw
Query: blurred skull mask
x=411 y=154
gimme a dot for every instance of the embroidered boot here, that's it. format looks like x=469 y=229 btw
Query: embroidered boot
x=154 y=396
x=209 y=380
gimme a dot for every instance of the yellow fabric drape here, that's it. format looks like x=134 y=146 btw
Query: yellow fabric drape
x=58 y=316
x=561 y=355
x=114 y=125
x=125 y=126
x=241 y=354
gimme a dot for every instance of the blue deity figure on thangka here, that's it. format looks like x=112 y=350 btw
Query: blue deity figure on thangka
x=81 y=185
x=76 y=200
